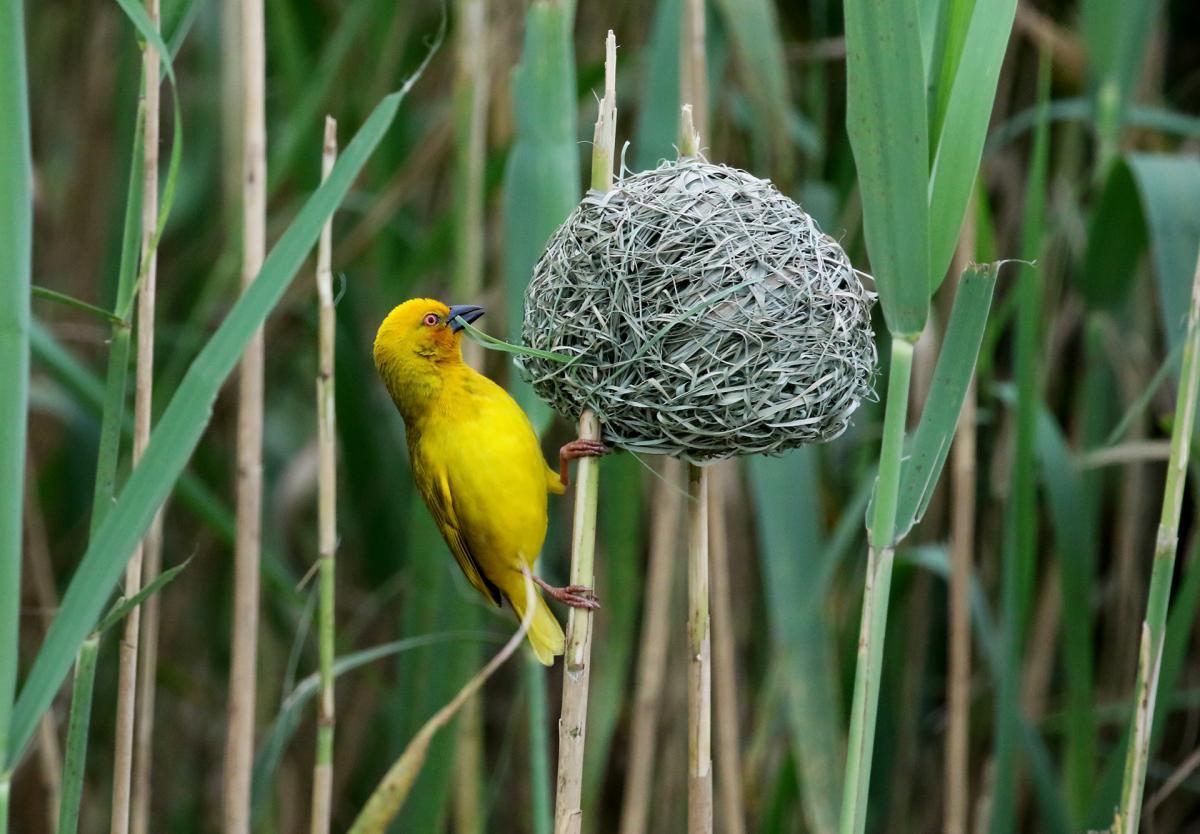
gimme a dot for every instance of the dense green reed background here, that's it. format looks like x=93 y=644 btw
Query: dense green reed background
x=1088 y=173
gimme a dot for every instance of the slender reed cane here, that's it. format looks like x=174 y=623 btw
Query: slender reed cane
x=729 y=745
x=470 y=135
x=962 y=545
x=239 y=742
x=865 y=703
x=700 y=799
x=128 y=664
x=322 y=791
x=1166 y=543
x=700 y=793
x=572 y=723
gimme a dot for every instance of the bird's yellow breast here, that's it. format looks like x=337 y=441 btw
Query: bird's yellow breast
x=478 y=446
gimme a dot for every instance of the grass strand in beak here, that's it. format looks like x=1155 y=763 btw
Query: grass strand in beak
x=492 y=343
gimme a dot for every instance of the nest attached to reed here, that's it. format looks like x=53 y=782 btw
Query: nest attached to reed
x=711 y=316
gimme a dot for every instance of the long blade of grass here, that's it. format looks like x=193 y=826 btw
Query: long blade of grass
x=542 y=179
x=1170 y=190
x=16 y=237
x=182 y=424
x=1075 y=541
x=930 y=444
x=959 y=142
x=885 y=119
x=797 y=565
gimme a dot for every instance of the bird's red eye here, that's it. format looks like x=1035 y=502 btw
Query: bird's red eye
x=431 y=320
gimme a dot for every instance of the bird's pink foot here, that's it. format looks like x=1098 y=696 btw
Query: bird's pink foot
x=578 y=448
x=576 y=596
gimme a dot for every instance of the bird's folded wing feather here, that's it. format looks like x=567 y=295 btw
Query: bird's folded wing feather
x=441 y=505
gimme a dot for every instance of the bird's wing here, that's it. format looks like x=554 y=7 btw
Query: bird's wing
x=441 y=505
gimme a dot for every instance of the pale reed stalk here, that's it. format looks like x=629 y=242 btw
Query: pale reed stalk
x=962 y=546
x=470 y=128
x=700 y=780
x=322 y=790
x=729 y=743
x=572 y=723
x=239 y=742
x=127 y=676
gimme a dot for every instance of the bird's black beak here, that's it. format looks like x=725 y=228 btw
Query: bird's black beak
x=468 y=313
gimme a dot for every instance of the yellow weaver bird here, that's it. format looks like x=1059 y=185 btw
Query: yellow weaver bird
x=476 y=460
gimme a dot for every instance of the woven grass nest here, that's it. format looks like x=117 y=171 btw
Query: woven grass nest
x=710 y=315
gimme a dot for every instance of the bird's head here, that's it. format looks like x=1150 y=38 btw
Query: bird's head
x=416 y=340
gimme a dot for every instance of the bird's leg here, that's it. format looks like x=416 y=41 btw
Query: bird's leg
x=576 y=596
x=578 y=448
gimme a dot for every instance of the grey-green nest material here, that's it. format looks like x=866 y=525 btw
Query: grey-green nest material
x=711 y=316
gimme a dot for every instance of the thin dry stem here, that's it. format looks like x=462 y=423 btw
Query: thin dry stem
x=239 y=743
x=471 y=85
x=700 y=794
x=652 y=657
x=471 y=97
x=127 y=676
x=957 y=800
x=322 y=790
x=962 y=543
x=693 y=65
x=572 y=723
x=143 y=751
x=729 y=742
x=41 y=576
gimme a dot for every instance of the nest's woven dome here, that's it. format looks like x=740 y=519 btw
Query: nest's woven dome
x=711 y=316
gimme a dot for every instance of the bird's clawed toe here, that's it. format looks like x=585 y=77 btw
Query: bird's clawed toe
x=578 y=448
x=576 y=596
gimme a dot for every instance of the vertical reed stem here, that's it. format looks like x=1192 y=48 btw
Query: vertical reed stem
x=693 y=66
x=962 y=539
x=470 y=129
x=962 y=546
x=652 y=660
x=865 y=704
x=239 y=743
x=572 y=723
x=700 y=793
x=127 y=682
x=1166 y=543
x=729 y=745
x=322 y=791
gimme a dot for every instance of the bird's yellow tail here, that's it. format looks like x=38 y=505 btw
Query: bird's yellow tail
x=545 y=634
